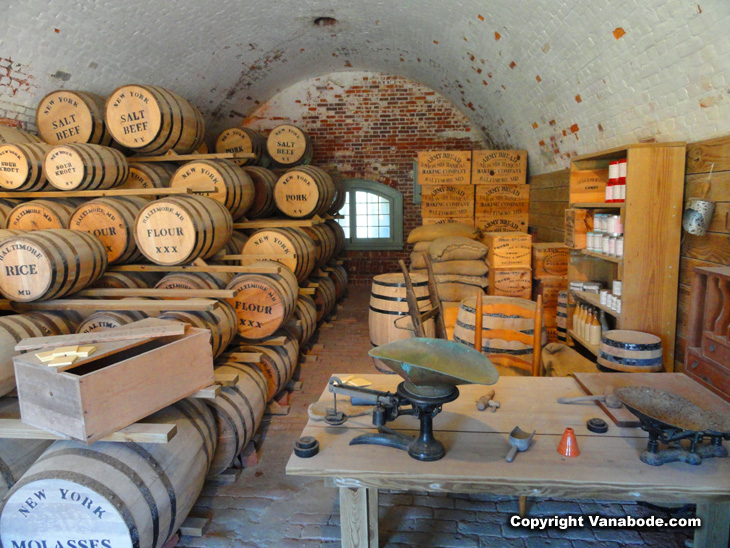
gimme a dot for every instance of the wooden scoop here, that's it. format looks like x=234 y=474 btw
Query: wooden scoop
x=608 y=397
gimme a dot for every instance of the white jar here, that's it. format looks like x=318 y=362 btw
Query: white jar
x=604 y=297
x=612 y=246
x=617 y=286
x=604 y=244
x=620 y=246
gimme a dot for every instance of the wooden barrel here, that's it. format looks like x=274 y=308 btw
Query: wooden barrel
x=6 y=206
x=56 y=322
x=9 y=135
x=42 y=214
x=153 y=120
x=119 y=494
x=304 y=321
x=16 y=456
x=149 y=175
x=221 y=322
x=263 y=302
x=339 y=236
x=194 y=280
x=264 y=181
x=289 y=246
x=233 y=186
x=127 y=280
x=68 y=117
x=561 y=319
x=509 y=317
x=324 y=240
x=179 y=229
x=49 y=264
x=304 y=191
x=112 y=221
x=289 y=145
x=243 y=139
x=85 y=167
x=234 y=246
x=13 y=329
x=277 y=362
x=339 y=277
x=325 y=297
x=21 y=166
x=630 y=351
x=109 y=319
x=340 y=192
x=238 y=411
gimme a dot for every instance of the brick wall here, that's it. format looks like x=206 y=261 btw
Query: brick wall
x=371 y=126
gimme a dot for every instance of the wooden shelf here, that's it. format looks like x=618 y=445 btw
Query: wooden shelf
x=280 y=222
x=112 y=192
x=205 y=305
x=174 y=157
x=236 y=269
x=617 y=153
x=617 y=260
x=597 y=205
x=592 y=348
x=594 y=299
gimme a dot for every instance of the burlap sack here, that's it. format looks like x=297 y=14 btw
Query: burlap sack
x=418 y=262
x=466 y=268
x=421 y=246
x=428 y=233
x=456 y=249
x=478 y=281
x=456 y=292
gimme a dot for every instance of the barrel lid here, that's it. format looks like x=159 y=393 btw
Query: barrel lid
x=106 y=223
x=631 y=340
x=133 y=116
x=25 y=272
x=64 y=167
x=234 y=139
x=396 y=279
x=63 y=117
x=166 y=232
x=14 y=167
x=286 y=144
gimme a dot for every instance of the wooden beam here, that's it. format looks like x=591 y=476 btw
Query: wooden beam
x=118 y=304
x=138 y=432
x=119 y=334
x=157 y=293
x=173 y=157
x=271 y=268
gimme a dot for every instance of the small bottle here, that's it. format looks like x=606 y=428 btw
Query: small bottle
x=622 y=169
x=618 y=305
x=612 y=246
x=578 y=327
x=612 y=181
x=604 y=244
x=620 y=246
x=603 y=296
x=595 y=331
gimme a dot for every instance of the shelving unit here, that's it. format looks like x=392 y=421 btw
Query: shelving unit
x=651 y=216
x=592 y=348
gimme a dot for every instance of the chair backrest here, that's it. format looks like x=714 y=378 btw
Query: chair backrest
x=512 y=330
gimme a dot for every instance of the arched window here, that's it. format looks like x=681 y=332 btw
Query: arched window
x=373 y=215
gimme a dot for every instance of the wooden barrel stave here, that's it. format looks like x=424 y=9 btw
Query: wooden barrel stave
x=149 y=175
x=10 y=135
x=305 y=313
x=45 y=213
x=127 y=280
x=221 y=322
x=22 y=166
x=243 y=139
x=277 y=362
x=6 y=206
x=264 y=181
x=325 y=298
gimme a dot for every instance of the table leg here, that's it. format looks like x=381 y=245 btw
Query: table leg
x=715 y=528
x=359 y=517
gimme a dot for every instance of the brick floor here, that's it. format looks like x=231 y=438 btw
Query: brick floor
x=267 y=508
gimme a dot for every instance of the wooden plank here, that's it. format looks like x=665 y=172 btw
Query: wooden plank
x=173 y=157
x=208 y=393
x=715 y=518
x=278 y=223
x=711 y=247
x=117 y=304
x=124 y=292
x=686 y=265
x=359 y=517
x=119 y=334
x=548 y=221
x=194 y=527
x=550 y=180
x=226 y=379
x=702 y=154
x=559 y=194
x=138 y=432
x=263 y=269
x=243 y=357
x=719 y=186
x=541 y=234
x=552 y=209
x=151 y=192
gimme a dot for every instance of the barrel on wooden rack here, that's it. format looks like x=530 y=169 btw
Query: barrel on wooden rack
x=325 y=240
x=179 y=229
x=152 y=120
x=6 y=206
x=263 y=302
x=194 y=280
x=48 y=264
x=339 y=277
x=85 y=167
x=149 y=175
x=233 y=186
x=67 y=117
x=325 y=297
x=21 y=166
x=630 y=352
x=112 y=221
x=264 y=181
x=42 y=214
x=9 y=135
x=289 y=145
x=388 y=318
x=277 y=362
x=56 y=322
x=109 y=319
x=340 y=192
x=221 y=322
x=304 y=321
x=127 y=280
x=238 y=411
x=289 y=246
x=119 y=494
x=304 y=191
x=243 y=139
x=339 y=236
x=234 y=246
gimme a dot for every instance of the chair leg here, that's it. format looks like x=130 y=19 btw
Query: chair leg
x=522 y=503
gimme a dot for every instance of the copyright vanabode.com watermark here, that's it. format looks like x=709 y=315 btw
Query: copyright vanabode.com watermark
x=598 y=521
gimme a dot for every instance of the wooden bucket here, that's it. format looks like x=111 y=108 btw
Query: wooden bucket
x=85 y=167
x=630 y=351
x=305 y=315
x=109 y=319
x=234 y=246
x=325 y=297
x=304 y=191
x=238 y=411
x=68 y=117
x=243 y=139
x=137 y=494
x=339 y=277
x=127 y=280
x=179 y=229
x=16 y=456
x=10 y=135
x=152 y=120
x=112 y=221
x=340 y=193
x=289 y=145
x=6 y=206
x=264 y=181
x=221 y=322
x=508 y=317
x=42 y=214
x=339 y=236
x=324 y=240
x=277 y=362
x=289 y=246
x=149 y=175
x=194 y=280
x=263 y=302
x=21 y=166
x=49 y=264
x=233 y=187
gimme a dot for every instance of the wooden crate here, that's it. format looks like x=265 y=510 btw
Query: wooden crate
x=441 y=201
x=508 y=249
x=510 y=282
x=512 y=223
x=578 y=223
x=588 y=185
x=121 y=383
x=549 y=259
x=499 y=167
x=549 y=287
x=437 y=221
x=507 y=204
x=444 y=167
x=549 y=318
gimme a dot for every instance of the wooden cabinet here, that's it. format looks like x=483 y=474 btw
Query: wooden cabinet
x=652 y=222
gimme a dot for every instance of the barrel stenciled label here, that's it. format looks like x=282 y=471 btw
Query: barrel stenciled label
x=234 y=140
x=286 y=144
x=166 y=232
x=444 y=167
x=27 y=217
x=23 y=269
x=202 y=174
x=447 y=201
x=511 y=283
x=105 y=224
x=62 y=513
x=65 y=168
x=13 y=168
x=514 y=223
x=257 y=306
x=266 y=244
x=101 y=325
x=63 y=118
x=499 y=167
x=137 y=179
x=296 y=193
x=501 y=200
x=134 y=115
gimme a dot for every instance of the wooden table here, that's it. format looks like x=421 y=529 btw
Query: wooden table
x=477 y=443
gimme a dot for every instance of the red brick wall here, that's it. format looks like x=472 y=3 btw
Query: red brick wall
x=372 y=126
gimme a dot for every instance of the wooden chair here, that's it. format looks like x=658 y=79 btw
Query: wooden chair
x=437 y=312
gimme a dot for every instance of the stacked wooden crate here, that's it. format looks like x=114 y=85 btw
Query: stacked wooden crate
x=508 y=260
x=502 y=196
x=447 y=194
x=550 y=277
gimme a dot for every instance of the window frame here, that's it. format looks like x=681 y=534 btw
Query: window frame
x=394 y=197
